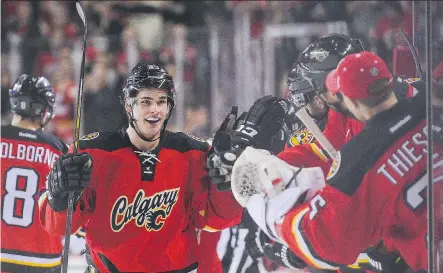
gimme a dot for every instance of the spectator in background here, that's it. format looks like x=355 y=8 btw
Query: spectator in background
x=196 y=122
x=66 y=94
x=102 y=108
x=386 y=31
x=319 y=11
x=5 y=106
x=362 y=18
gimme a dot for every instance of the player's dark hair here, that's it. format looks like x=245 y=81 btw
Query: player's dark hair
x=379 y=91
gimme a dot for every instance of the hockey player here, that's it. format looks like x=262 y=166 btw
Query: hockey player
x=27 y=155
x=140 y=192
x=302 y=94
x=314 y=63
x=388 y=156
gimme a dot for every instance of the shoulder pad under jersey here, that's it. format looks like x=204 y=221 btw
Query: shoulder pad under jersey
x=107 y=141
x=39 y=136
x=183 y=142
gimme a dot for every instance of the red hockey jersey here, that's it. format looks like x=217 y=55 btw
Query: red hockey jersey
x=338 y=130
x=142 y=209
x=375 y=191
x=26 y=159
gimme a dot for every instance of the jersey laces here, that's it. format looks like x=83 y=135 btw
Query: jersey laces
x=147 y=157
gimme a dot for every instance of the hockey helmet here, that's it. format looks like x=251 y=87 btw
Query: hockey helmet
x=145 y=75
x=33 y=97
x=301 y=92
x=323 y=55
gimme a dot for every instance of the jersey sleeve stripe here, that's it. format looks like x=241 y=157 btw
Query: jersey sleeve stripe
x=30 y=261
x=42 y=198
x=210 y=229
x=318 y=152
x=303 y=245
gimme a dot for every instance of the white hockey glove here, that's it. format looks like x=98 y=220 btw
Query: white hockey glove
x=269 y=187
x=257 y=171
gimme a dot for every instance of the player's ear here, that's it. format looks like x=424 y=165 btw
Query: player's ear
x=350 y=103
x=321 y=103
x=127 y=106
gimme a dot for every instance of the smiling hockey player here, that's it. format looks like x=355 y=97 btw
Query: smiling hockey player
x=140 y=192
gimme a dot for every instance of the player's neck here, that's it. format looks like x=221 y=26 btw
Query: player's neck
x=140 y=143
x=20 y=122
x=370 y=112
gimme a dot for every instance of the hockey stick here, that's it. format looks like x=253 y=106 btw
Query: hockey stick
x=76 y=141
x=315 y=130
x=414 y=54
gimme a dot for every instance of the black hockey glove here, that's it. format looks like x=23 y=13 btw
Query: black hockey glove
x=258 y=244
x=254 y=242
x=262 y=122
x=222 y=157
x=255 y=239
x=282 y=255
x=71 y=172
x=385 y=262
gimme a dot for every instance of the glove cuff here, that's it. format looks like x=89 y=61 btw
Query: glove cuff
x=59 y=204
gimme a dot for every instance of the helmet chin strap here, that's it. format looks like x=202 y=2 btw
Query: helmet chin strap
x=47 y=116
x=140 y=135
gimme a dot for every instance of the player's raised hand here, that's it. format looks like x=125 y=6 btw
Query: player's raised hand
x=221 y=158
x=262 y=122
x=71 y=172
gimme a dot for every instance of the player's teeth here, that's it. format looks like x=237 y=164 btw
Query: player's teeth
x=152 y=119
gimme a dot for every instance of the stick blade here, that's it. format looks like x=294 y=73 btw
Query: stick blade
x=80 y=12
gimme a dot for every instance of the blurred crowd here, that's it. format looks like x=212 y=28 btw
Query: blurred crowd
x=45 y=38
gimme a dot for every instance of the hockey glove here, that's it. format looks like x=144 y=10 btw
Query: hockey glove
x=255 y=239
x=263 y=121
x=258 y=244
x=282 y=255
x=71 y=172
x=385 y=262
x=254 y=242
x=221 y=157
x=219 y=164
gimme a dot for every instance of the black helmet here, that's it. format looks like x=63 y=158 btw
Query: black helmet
x=145 y=75
x=323 y=55
x=33 y=97
x=301 y=92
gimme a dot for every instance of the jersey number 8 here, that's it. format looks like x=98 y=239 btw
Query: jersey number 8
x=15 y=196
